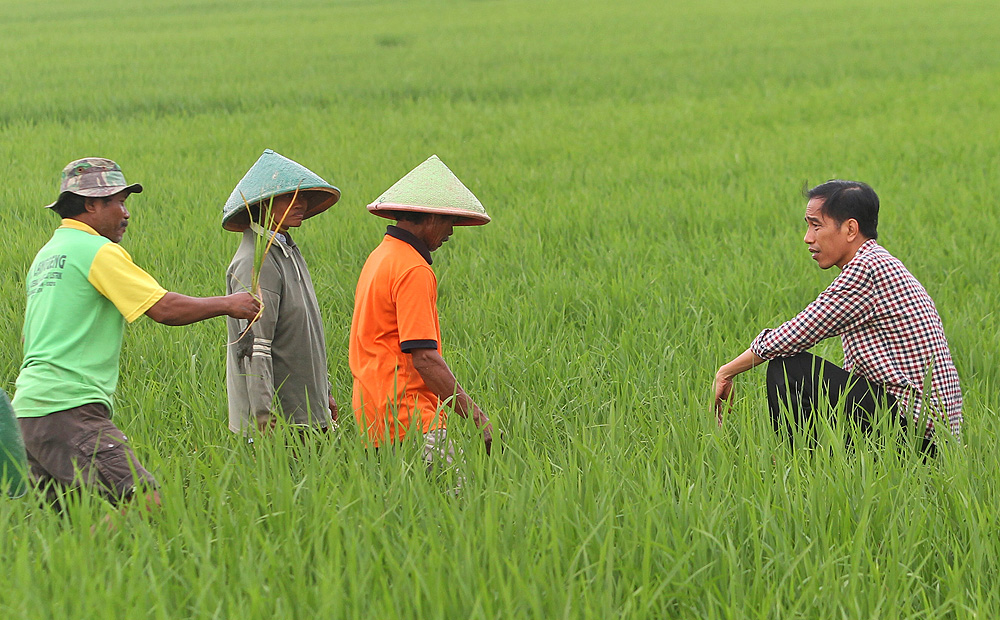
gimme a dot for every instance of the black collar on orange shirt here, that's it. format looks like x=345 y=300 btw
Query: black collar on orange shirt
x=405 y=235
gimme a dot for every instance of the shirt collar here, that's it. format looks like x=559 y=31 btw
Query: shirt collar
x=68 y=222
x=866 y=247
x=404 y=235
x=267 y=233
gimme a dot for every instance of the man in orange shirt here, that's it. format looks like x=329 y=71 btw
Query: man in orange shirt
x=400 y=378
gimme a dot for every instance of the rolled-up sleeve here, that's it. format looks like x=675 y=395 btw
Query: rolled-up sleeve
x=843 y=306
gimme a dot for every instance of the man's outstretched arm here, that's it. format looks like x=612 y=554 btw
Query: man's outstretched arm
x=177 y=309
x=439 y=378
x=723 y=385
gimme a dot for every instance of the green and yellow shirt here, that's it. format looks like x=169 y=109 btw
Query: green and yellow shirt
x=81 y=288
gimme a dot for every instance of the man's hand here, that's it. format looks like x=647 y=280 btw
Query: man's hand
x=333 y=410
x=723 y=385
x=483 y=423
x=266 y=423
x=242 y=306
x=723 y=389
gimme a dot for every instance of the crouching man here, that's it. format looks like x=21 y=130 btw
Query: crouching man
x=888 y=325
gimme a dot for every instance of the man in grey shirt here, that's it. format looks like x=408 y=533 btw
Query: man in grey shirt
x=277 y=367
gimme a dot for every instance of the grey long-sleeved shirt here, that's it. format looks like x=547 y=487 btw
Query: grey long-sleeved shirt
x=279 y=369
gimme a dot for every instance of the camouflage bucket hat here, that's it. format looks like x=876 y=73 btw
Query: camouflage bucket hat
x=273 y=175
x=431 y=187
x=93 y=177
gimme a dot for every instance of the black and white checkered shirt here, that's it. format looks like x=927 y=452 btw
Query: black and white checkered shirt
x=890 y=330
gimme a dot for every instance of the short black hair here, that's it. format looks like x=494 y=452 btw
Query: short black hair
x=70 y=205
x=849 y=200
x=413 y=217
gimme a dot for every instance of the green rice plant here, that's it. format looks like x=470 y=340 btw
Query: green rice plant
x=262 y=246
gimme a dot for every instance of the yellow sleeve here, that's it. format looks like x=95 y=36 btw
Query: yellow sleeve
x=129 y=288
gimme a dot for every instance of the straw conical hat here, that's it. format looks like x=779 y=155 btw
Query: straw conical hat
x=431 y=188
x=271 y=176
x=13 y=461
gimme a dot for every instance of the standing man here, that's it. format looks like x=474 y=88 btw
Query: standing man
x=278 y=366
x=401 y=381
x=82 y=288
x=891 y=332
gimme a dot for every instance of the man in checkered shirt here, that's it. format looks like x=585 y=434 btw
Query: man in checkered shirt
x=891 y=332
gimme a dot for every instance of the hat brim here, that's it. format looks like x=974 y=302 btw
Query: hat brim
x=466 y=218
x=319 y=199
x=99 y=192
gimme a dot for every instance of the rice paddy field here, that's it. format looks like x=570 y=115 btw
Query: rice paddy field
x=642 y=162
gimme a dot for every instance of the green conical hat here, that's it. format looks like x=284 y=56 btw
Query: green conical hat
x=431 y=188
x=274 y=175
x=13 y=461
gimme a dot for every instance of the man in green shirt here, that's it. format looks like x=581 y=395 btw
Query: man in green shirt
x=82 y=288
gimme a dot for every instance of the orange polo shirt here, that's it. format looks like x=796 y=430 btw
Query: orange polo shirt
x=395 y=312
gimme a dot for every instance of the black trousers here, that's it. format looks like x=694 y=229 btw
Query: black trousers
x=797 y=386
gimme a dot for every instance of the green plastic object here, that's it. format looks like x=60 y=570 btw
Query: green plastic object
x=273 y=175
x=432 y=187
x=13 y=460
